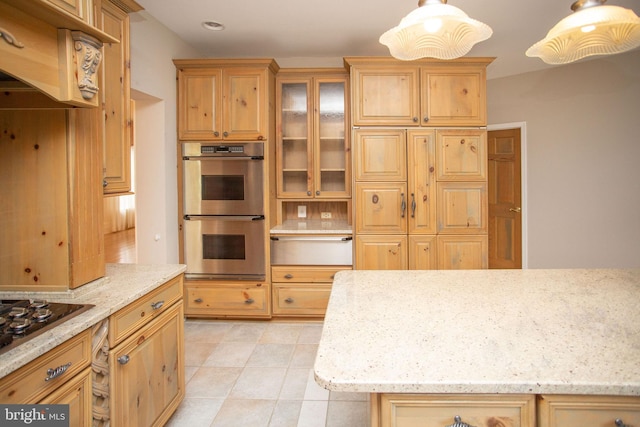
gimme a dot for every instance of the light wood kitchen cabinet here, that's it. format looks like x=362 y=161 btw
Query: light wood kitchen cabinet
x=138 y=372
x=79 y=8
x=462 y=155
x=225 y=99
x=462 y=252
x=424 y=410
x=423 y=252
x=52 y=159
x=227 y=299
x=147 y=376
x=423 y=93
x=462 y=207
x=592 y=411
x=382 y=252
x=381 y=208
x=114 y=78
x=380 y=155
x=62 y=375
x=302 y=291
x=313 y=149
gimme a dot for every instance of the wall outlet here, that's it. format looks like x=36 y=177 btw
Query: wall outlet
x=302 y=211
x=325 y=215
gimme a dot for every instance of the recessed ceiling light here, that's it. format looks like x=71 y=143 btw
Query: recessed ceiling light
x=212 y=26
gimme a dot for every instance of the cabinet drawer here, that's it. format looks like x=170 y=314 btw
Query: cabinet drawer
x=405 y=410
x=77 y=394
x=300 y=300
x=28 y=384
x=228 y=299
x=305 y=274
x=132 y=317
x=591 y=411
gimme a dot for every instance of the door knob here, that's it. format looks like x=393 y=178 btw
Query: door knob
x=516 y=210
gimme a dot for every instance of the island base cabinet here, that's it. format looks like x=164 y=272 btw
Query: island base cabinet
x=147 y=372
x=591 y=411
x=427 y=410
x=77 y=394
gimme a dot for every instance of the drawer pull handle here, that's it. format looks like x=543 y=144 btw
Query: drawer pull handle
x=620 y=423
x=288 y=276
x=55 y=373
x=458 y=422
x=198 y=300
x=289 y=300
x=123 y=360
x=157 y=305
x=249 y=301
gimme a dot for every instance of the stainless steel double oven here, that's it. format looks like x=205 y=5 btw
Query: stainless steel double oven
x=224 y=227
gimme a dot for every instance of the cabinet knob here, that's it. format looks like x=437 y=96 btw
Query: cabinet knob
x=249 y=301
x=104 y=183
x=458 y=422
x=198 y=300
x=415 y=120
x=56 y=372
x=620 y=423
x=288 y=300
x=123 y=360
x=317 y=193
x=425 y=119
x=216 y=133
x=308 y=193
x=288 y=276
x=225 y=133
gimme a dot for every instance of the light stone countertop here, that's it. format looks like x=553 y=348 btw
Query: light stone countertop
x=482 y=331
x=313 y=226
x=122 y=284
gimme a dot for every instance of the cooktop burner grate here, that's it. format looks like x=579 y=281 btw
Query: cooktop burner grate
x=21 y=320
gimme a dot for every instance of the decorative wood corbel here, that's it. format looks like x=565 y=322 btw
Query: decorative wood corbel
x=88 y=61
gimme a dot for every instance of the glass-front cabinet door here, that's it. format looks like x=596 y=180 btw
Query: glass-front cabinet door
x=313 y=147
x=294 y=140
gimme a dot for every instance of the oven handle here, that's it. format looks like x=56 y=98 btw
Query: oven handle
x=222 y=158
x=312 y=238
x=224 y=217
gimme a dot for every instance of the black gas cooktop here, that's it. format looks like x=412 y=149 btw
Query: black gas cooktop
x=21 y=320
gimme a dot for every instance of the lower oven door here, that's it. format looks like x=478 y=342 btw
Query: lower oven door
x=225 y=247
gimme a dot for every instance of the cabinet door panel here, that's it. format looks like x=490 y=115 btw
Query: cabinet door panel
x=77 y=394
x=147 y=372
x=423 y=252
x=381 y=252
x=381 y=155
x=381 y=208
x=453 y=96
x=386 y=96
x=199 y=104
x=245 y=116
x=422 y=183
x=592 y=411
x=462 y=155
x=462 y=252
x=462 y=207
x=440 y=410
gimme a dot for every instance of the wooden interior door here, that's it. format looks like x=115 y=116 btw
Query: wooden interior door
x=505 y=201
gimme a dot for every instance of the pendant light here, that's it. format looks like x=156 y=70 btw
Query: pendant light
x=434 y=30
x=592 y=29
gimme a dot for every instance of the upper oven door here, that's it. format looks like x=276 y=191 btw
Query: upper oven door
x=227 y=182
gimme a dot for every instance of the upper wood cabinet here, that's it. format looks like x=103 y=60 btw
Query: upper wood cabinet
x=313 y=149
x=220 y=99
x=115 y=98
x=423 y=93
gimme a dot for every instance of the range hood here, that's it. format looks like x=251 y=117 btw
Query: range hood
x=50 y=55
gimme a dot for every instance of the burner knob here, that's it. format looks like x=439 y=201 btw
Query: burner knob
x=123 y=360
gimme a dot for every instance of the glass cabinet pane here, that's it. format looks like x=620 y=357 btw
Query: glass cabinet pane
x=331 y=137
x=295 y=137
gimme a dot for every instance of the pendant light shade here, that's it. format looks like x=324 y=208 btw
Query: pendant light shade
x=592 y=29
x=434 y=30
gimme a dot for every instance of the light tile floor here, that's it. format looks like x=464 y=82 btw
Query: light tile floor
x=260 y=374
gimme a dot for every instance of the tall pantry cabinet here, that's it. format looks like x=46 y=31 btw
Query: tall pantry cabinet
x=420 y=163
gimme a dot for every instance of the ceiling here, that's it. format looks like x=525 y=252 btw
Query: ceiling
x=324 y=31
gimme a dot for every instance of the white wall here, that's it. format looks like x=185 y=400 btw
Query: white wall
x=153 y=83
x=583 y=159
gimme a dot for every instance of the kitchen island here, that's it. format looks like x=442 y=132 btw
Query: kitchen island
x=426 y=336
